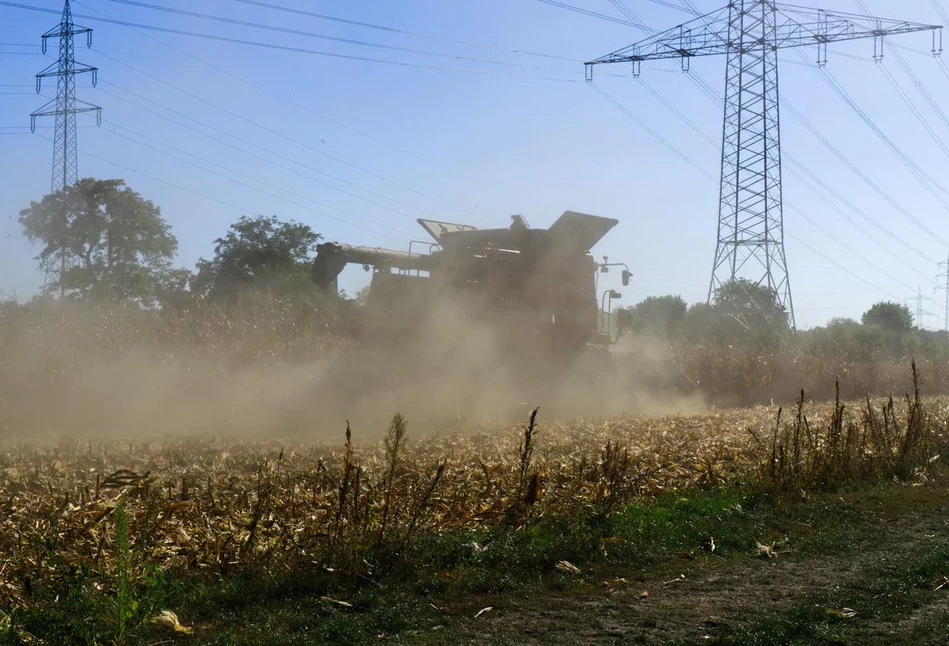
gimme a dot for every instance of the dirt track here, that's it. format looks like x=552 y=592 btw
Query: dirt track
x=739 y=599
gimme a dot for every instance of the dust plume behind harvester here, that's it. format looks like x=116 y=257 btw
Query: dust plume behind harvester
x=513 y=310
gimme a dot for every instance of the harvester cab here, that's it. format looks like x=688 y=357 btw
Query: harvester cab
x=537 y=288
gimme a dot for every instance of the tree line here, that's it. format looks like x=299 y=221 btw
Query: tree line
x=743 y=314
x=102 y=241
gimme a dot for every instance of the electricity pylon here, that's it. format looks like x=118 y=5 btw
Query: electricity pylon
x=65 y=106
x=920 y=312
x=945 y=275
x=749 y=33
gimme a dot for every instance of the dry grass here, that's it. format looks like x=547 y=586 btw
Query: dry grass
x=219 y=506
x=733 y=376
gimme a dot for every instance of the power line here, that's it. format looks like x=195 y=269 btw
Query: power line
x=691 y=7
x=289 y=101
x=348 y=41
x=296 y=141
x=28 y=130
x=810 y=64
x=586 y=12
x=939 y=59
x=671 y=5
x=292 y=169
x=158 y=179
x=800 y=213
x=297 y=50
x=908 y=102
x=750 y=33
x=336 y=39
x=291 y=139
x=940 y=10
x=257 y=179
x=798 y=169
x=395 y=30
x=672 y=108
x=921 y=88
x=924 y=178
x=111 y=130
x=849 y=164
x=633 y=18
x=807 y=177
x=915 y=50
x=678 y=153
x=927 y=181
x=839 y=266
x=623 y=9
x=944 y=16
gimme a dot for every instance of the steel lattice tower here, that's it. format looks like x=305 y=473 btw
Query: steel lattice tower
x=750 y=241
x=65 y=106
x=945 y=275
x=750 y=213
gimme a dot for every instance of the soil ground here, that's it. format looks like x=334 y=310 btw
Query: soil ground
x=874 y=576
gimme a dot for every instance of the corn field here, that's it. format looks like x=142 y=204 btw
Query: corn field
x=217 y=506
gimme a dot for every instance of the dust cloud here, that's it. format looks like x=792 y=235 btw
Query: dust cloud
x=119 y=374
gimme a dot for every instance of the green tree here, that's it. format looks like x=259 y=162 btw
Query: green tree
x=703 y=323
x=101 y=239
x=662 y=316
x=846 y=339
x=892 y=317
x=742 y=313
x=750 y=301
x=260 y=252
x=754 y=311
x=174 y=290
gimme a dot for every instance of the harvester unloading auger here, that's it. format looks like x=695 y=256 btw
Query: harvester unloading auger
x=518 y=302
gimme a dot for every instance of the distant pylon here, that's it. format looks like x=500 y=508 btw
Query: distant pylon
x=945 y=287
x=65 y=106
x=920 y=312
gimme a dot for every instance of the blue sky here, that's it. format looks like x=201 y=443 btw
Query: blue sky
x=359 y=149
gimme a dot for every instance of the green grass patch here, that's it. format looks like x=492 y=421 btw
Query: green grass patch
x=446 y=575
x=885 y=594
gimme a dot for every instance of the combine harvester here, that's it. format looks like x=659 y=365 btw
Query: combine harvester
x=482 y=316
